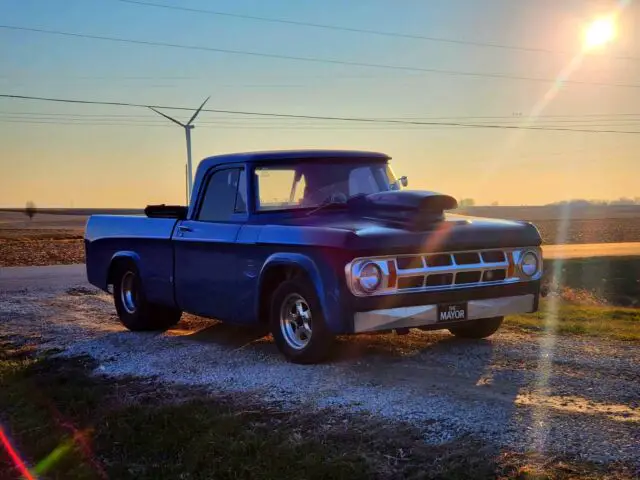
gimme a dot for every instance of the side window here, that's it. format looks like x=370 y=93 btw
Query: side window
x=219 y=202
x=298 y=190
x=275 y=187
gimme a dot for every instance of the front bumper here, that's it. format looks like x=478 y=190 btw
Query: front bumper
x=426 y=315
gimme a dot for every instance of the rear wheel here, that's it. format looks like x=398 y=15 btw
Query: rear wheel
x=297 y=323
x=482 y=328
x=134 y=311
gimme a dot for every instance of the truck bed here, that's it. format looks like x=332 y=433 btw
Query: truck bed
x=147 y=241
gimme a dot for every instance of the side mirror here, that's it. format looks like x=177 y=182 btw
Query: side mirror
x=404 y=181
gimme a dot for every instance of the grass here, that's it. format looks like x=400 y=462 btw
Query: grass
x=614 y=323
x=69 y=424
x=615 y=280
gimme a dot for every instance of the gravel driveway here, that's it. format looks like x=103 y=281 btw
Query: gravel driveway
x=557 y=395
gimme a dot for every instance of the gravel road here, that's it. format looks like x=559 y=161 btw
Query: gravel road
x=559 y=395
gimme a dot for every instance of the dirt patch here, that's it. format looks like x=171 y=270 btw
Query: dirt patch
x=81 y=291
x=43 y=251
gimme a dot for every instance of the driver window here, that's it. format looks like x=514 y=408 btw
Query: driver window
x=220 y=198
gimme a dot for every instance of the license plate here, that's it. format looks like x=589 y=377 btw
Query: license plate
x=452 y=312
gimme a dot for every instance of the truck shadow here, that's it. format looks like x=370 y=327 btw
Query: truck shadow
x=346 y=349
x=420 y=361
x=232 y=336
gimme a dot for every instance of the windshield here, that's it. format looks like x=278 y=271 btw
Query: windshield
x=309 y=185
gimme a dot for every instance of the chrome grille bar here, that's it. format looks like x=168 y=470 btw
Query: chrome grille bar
x=450 y=270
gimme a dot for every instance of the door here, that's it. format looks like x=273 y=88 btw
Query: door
x=207 y=262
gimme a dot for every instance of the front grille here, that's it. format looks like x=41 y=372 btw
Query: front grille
x=439 y=279
x=443 y=260
x=467 y=258
x=407 y=263
x=494 y=275
x=463 y=278
x=424 y=272
x=493 y=256
x=410 y=282
x=455 y=269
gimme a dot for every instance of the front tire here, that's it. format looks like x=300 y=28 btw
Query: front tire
x=297 y=322
x=134 y=311
x=482 y=328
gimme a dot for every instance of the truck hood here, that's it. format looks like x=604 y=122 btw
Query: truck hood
x=368 y=233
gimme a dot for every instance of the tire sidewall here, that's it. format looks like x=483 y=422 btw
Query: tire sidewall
x=133 y=321
x=317 y=349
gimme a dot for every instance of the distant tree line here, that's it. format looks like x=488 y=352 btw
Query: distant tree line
x=590 y=203
x=466 y=202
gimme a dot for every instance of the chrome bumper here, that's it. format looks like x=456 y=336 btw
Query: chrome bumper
x=422 y=315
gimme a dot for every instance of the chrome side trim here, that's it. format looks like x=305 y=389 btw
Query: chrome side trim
x=418 y=316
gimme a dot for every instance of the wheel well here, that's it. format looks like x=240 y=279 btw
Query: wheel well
x=116 y=264
x=272 y=278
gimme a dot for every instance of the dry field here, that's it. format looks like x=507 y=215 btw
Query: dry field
x=558 y=225
x=45 y=240
x=595 y=230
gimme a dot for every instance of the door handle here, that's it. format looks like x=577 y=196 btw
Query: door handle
x=184 y=228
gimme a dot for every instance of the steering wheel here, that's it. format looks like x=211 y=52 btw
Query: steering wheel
x=338 y=197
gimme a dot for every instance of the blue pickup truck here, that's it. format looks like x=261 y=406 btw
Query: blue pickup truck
x=313 y=244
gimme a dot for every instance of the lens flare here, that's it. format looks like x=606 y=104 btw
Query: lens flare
x=13 y=454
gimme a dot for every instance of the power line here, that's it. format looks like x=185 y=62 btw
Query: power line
x=362 y=30
x=319 y=117
x=498 y=76
x=593 y=117
x=545 y=121
x=227 y=126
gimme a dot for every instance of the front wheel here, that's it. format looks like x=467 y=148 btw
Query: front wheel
x=297 y=323
x=134 y=311
x=482 y=328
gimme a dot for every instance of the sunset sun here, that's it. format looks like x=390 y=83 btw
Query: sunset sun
x=599 y=32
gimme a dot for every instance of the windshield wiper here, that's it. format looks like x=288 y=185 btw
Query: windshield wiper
x=329 y=203
x=326 y=204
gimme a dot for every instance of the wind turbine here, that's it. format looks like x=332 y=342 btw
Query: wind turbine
x=187 y=130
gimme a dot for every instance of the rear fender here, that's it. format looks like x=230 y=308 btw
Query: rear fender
x=120 y=256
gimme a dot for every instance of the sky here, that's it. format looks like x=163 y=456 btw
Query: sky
x=64 y=155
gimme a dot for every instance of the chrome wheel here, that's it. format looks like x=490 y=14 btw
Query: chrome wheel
x=295 y=321
x=129 y=292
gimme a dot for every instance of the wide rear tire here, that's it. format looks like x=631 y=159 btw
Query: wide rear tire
x=297 y=322
x=134 y=311
x=481 y=328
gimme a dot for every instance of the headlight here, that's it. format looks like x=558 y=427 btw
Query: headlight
x=529 y=264
x=370 y=277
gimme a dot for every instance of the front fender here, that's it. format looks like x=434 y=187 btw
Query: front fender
x=323 y=280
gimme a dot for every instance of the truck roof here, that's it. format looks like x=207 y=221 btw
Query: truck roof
x=280 y=155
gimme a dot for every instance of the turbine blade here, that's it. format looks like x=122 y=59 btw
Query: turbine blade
x=168 y=117
x=198 y=111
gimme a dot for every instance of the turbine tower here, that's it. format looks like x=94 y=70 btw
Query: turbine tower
x=187 y=130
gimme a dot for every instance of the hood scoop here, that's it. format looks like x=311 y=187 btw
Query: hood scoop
x=417 y=210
